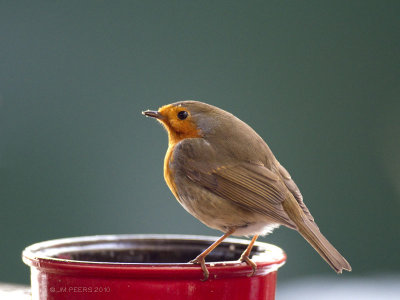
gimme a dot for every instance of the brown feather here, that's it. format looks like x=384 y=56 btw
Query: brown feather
x=292 y=187
x=247 y=185
x=309 y=230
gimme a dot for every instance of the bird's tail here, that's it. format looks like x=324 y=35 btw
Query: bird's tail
x=310 y=231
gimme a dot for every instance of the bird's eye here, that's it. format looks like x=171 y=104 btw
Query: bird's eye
x=182 y=115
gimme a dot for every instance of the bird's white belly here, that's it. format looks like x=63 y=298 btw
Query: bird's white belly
x=260 y=228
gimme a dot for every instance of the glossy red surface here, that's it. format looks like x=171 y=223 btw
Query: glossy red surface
x=57 y=271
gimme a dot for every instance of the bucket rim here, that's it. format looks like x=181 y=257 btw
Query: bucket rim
x=39 y=255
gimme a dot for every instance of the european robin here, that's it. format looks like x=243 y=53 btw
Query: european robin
x=224 y=174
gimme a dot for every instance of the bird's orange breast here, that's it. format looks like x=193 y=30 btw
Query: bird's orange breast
x=178 y=130
x=168 y=172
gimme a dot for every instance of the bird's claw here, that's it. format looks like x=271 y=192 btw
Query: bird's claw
x=201 y=261
x=247 y=260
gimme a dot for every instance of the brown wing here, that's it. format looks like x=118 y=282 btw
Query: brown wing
x=292 y=187
x=248 y=185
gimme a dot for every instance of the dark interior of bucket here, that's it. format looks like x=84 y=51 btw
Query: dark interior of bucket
x=149 y=251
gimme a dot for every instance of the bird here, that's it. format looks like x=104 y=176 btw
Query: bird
x=224 y=174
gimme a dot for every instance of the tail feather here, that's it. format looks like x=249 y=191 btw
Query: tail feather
x=310 y=231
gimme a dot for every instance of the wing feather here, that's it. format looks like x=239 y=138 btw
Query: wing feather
x=248 y=185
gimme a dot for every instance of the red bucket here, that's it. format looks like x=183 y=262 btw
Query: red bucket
x=149 y=267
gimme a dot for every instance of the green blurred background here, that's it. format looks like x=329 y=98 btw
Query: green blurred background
x=319 y=80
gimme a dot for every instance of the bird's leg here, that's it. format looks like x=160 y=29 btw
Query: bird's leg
x=200 y=259
x=245 y=255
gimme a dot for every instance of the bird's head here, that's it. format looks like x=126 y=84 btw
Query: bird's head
x=186 y=119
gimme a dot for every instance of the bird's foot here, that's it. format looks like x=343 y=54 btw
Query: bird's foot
x=201 y=261
x=247 y=260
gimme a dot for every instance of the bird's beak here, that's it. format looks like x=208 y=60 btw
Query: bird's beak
x=153 y=114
